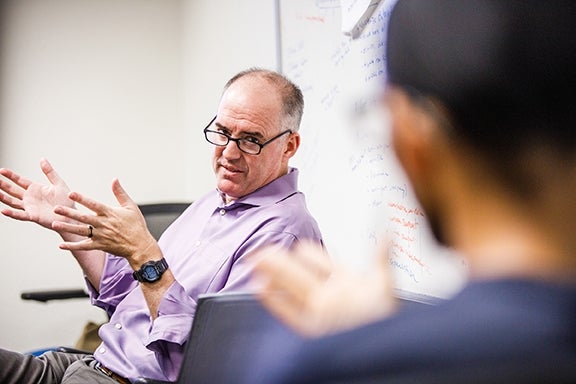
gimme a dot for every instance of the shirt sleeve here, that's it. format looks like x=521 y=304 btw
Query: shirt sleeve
x=175 y=315
x=116 y=283
x=170 y=330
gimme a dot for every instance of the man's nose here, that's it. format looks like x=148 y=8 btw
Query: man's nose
x=231 y=150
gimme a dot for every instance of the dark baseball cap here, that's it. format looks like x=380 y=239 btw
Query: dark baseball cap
x=503 y=65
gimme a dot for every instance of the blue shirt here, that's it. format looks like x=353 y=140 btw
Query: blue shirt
x=208 y=249
x=498 y=331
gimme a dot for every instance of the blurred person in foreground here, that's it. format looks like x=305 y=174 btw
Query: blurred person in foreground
x=483 y=111
x=150 y=289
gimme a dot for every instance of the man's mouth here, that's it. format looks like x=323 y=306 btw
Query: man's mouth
x=230 y=168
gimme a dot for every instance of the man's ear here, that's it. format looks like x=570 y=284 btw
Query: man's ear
x=292 y=144
x=414 y=134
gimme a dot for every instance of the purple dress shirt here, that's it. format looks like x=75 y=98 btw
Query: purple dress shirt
x=208 y=249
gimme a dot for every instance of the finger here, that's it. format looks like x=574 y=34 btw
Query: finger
x=284 y=310
x=384 y=279
x=83 y=230
x=314 y=257
x=11 y=201
x=75 y=215
x=50 y=173
x=16 y=214
x=286 y=274
x=383 y=259
x=84 y=245
x=17 y=187
x=91 y=204
x=121 y=196
x=282 y=271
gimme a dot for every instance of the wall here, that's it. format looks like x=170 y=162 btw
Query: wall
x=221 y=38
x=109 y=89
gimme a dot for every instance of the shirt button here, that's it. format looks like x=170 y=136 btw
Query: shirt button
x=197 y=243
x=118 y=326
x=102 y=350
x=222 y=212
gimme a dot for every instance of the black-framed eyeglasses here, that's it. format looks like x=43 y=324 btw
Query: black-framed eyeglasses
x=249 y=145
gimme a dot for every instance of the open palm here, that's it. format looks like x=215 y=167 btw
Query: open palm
x=35 y=202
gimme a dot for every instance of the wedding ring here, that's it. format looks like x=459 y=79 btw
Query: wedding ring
x=90 y=228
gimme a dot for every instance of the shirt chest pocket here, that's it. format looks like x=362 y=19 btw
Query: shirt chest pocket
x=205 y=266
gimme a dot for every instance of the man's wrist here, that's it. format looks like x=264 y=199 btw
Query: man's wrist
x=151 y=271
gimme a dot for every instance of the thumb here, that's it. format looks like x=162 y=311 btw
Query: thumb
x=382 y=270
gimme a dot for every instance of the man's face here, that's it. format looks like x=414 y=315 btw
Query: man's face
x=412 y=147
x=250 y=109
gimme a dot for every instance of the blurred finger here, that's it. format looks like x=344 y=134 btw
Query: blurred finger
x=283 y=307
x=383 y=256
x=287 y=274
x=384 y=279
x=314 y=257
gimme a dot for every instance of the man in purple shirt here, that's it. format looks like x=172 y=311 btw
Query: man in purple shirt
x=150 y=288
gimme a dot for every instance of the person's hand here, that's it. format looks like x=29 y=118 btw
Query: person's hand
x=121 y=230
x=30 y=201
x=316 y=297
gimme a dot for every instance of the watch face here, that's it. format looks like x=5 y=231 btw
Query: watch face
x=150 y=273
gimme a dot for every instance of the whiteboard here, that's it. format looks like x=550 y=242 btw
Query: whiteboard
x=349 y=174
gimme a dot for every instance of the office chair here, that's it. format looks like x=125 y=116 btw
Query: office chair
x=158 y=217
x=227 y=328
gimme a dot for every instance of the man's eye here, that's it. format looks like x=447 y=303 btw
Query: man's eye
x=252 y=139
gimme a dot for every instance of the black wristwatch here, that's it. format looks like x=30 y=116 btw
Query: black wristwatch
x=151 y=271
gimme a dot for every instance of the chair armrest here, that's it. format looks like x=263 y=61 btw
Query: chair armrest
x=143 y=380
x=60 y=294
x=72 y=350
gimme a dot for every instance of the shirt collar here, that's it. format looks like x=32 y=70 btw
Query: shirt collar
x=271 y=193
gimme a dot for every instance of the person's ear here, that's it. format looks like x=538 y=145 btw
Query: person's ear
x=292 y=144
x=413 y=135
